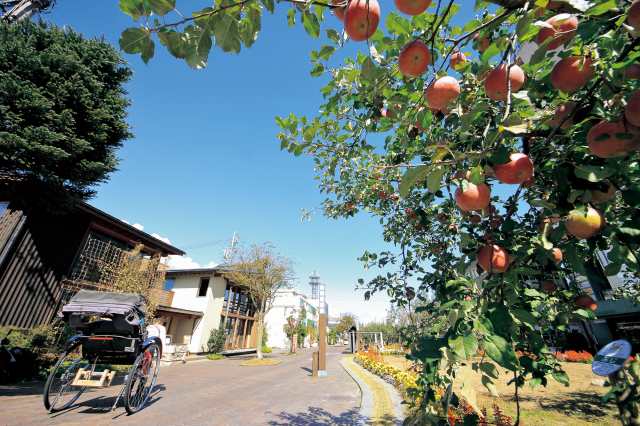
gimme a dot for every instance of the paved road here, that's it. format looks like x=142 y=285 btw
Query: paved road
x=209 y=393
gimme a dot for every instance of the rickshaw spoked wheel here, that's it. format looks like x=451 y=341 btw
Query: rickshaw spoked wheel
x=142 y=378
x=58 y=392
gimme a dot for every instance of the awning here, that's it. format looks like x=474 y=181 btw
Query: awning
x=168 y=311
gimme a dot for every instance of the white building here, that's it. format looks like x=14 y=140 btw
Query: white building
x=288 y=302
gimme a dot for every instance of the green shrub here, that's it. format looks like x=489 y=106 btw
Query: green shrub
x=216 y=340
x=41 y=339
x=266 y=349
x=215 y=356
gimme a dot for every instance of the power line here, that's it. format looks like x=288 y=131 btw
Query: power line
x=203 y=245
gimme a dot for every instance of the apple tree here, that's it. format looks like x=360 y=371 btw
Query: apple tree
x=500 y=156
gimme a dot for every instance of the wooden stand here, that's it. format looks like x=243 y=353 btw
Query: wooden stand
x=83 y=378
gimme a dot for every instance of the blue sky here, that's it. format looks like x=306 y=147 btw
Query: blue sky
x=206 y=160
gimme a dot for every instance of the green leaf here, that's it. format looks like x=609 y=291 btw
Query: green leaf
x=471 y=25
x=629 y=232
x=570 y=253
x=410 y=177
x=466 y=390
x=476 y=177
x=269 y=5
x=369 y=70
x=523 y=270
x=483 y=326
x=492 y=50
x=593 y=173
x=225 y=31
x=162 y=7
x=525 y=317
x=291 y=16
x=311 y=23
x=208 y=21
x=250 y=26
x=534 y=382
x=435 y=178
x=173 y=40
x=499 y=350
x=490 y=369
x=464 y=346
x=333 y=36
x=148 y=48
x=561 y=377
x=501 y=156
x=326 y=52
x=196 y=46
x=531 y=292
x=133 y=40
x=317 y=71
x=491 y=387
x=599 y=9
x=135 y=9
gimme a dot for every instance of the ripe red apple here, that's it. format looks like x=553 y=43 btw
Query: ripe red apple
x=562 y=111
x=442 y=218
x=487 y=236
x=496 y=83
x=493 y=255
x=585 y=302
x=387 y=114
x=410 y=293
x=516 y=171
x=408 y=211
x=382 y=195
x=442 y=92
x=465 y=213
x=613 y=147
x=549 y=286
x=632 y=110
x=530 y=182
x=412 y=7
x=560 y=32
x=557 y=254
x=350 y=206
x=395 y=196
x=339 y=11
x=414 y=58
x=361 y=19
x=476 y=197
x=495 y=224
x=633 y=72
x=483 y=44
x=414 y=217
x=585 y=227
x=475 y=219
x=633 y=15
x=566 y=74
x=457 y=58
x=454 y=228
x=602 y=197
x=437 y=248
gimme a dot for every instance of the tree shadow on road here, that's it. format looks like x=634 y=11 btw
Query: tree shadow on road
x=316 y=416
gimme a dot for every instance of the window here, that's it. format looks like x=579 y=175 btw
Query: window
x=203 y=287
x=168 y=284
x=3 y=206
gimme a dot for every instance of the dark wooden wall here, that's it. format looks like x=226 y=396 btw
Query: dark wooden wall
x=42 y=252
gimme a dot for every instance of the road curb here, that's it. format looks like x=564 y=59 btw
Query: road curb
x=366 y=403
x=396 y=399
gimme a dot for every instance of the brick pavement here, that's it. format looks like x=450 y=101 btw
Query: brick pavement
x=208 y=393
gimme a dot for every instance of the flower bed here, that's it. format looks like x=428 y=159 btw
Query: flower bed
x=404 y=380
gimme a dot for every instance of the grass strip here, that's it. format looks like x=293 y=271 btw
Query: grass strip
x=383 y=413
x=261 y=361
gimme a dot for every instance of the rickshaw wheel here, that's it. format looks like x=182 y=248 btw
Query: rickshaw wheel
x=58 y=392
x=142 y=378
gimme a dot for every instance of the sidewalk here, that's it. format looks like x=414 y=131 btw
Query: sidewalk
x=209 y=393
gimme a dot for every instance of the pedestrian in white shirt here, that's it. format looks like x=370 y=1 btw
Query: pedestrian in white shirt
x=157 y=330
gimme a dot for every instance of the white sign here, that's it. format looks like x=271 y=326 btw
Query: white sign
x=611 y=358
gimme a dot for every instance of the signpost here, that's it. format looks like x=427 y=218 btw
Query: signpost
x=611 y=358
x=294 y=342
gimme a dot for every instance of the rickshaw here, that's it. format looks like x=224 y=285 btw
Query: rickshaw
x=111 y=330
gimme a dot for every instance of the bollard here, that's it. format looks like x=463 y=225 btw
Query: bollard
x=314 y=366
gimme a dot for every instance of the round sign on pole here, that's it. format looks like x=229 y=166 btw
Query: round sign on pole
x=611 y=358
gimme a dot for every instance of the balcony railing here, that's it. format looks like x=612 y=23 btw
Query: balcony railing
x=166 y=297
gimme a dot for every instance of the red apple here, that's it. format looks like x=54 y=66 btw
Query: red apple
x=442 y=92
x=382 y=195
x=562 y=111
x=350 y=206
x=454 y=228
x=414 y=58
x=585 y=227
x=442 y=218
x=476 y=197
x=516 y=171
x=585 y=302
x=412 y=7
x=361 y=19
x=530 y=182
x=566 y=74
x=496 y=83
x=457 y=58
x=465 y=213
x=387 y=114
x=475 y=219
x=493 y=258
x=560 y=32
x=633 y=15
x=549 y=286
x=339 y=11
x=602 y=197
x=557 y=254
x=408 y=211
x=414 y=217
x=633 y=72
x=483 y=44
x=613 y=147
x=487 y=236
x=495 y=224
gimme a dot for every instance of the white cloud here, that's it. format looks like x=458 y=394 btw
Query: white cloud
x=138 y=226
x=178 y=262
x=166 y=240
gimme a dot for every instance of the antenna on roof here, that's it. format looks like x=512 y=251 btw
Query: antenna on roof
x=227 y=252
